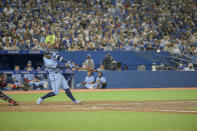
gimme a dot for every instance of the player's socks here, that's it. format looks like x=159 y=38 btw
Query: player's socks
x=50 y=94
x=69 y=94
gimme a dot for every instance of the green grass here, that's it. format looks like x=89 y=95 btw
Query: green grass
x=139 y=95
x=103 y=120
x=96 y=121
x=192 y=108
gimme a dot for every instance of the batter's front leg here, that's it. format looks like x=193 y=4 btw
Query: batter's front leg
x=64 y=84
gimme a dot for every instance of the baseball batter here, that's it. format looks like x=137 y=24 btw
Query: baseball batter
x=56 y=79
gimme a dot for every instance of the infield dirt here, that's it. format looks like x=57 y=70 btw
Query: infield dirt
x=139 y=106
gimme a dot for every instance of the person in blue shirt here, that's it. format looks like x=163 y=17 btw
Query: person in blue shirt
x=30 y=78
x=101 y=82
x=40 y=81
x=17 y=78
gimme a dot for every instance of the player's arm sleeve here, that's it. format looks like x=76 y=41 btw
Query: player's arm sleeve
x=25 y=76
x=50 y=65
x=103 y=80
x=92 y=80
x=13 y=77
x=60 y=58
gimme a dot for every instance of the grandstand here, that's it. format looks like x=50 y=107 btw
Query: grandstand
x=81 y=25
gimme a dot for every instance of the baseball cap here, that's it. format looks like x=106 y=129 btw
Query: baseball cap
x=29 y=62
x=89 y=56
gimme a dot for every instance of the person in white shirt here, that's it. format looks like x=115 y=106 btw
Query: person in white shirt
x=7 y=46
x=89 y=81
x=8 y=10
x=189 y=68
x=89 y=62
x=154 y=67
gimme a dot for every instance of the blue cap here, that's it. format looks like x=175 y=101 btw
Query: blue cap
x=29 y=62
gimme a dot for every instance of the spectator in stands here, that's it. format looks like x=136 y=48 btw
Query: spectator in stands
x=7 y=46
x=73 y=65
x=104 y=25
x=28 y=44
x=89 y=62
x=180 y=67
x=68 y=66
x=8 y=10
x=108 y=48
x=154 y=67
x=14 y=46
x=37 y=45
x=1 y=47
x=149 y=48
x=190 y=67
x=127 y=47
x=101 y=82
x=89 y=81
x=135 y=48
x=22 y=45
x=175 y=49
x=50 y=38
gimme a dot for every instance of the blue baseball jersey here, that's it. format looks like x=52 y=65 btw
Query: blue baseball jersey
x=17 y=77
x=102 y=79
x=56 y=79
x=89 y=79
x=29 y=76
x=51 y=64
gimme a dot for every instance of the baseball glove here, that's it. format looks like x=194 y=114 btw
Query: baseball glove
x=26 y=87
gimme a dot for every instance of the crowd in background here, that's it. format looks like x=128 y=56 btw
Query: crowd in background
x=109 y=25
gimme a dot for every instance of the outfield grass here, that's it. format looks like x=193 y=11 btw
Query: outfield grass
x=135 y=95
x=97 y=121
x=103 y=120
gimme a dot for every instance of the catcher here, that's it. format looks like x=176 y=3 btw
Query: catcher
x=3 y=84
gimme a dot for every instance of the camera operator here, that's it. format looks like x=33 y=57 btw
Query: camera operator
x=109 y=63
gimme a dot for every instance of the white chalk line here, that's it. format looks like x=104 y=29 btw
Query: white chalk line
x=126 y=109
x=107 y=106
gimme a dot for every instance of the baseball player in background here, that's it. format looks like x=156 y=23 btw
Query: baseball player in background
x=17 y=79
x=89 y=81
x=3 y=96
x=29 y=78
x=56 y=79
x=101 y=82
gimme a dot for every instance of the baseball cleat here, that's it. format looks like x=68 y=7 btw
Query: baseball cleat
x=13 y=103
x=77 y=102
x=39 y=101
